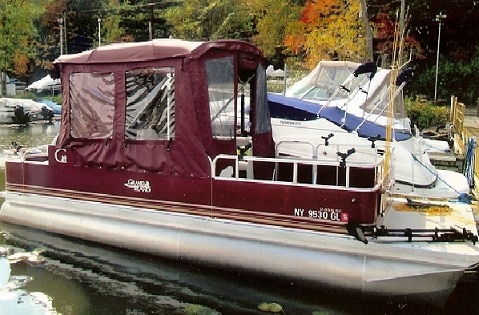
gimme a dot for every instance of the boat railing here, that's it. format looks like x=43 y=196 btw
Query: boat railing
x=359 y=175
x=332 y=152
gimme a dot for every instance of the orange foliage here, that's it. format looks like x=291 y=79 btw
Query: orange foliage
x=314 y=14
x=316 y=10
x=328 y=29
x=294 y=42
x=20 y=63
x=383 y=26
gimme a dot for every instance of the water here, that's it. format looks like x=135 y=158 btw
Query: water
x=80 y=277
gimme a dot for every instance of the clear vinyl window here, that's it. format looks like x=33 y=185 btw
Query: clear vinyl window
x=92 y=105
x=221 y=91
x=150 y=104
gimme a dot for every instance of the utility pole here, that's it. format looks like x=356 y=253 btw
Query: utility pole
x=65 y=32
x=439 y=18
x=99 y=32
x=60 y=24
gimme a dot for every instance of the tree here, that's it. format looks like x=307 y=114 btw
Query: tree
x=113 y=31
x=271 y=18
x=384 y=26
x=206 y=20
x=367 y=25
x=328 y=29
x=459 y=41
x=137 y=21
x=47 y=46
x=18 y=30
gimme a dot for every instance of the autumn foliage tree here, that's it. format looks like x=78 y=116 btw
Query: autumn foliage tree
x=326 y=30
x=384 y=27
x=18 y=30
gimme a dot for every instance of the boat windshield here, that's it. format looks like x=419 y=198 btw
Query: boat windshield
x=327 y=83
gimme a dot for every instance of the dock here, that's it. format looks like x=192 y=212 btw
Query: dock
x=465 y=122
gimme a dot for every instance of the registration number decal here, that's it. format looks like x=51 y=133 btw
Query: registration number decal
x=328 y=214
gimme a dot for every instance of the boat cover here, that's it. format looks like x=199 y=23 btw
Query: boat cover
x=293 y=108
x=116 y=94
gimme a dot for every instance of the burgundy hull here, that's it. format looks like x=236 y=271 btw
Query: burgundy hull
x=316 y=207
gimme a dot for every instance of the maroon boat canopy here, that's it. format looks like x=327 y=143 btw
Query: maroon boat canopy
x=156 y=49
x=166 y=106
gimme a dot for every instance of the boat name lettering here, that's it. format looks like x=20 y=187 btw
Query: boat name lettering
x=289 y=122
x=139 y=185
x=60 y=156
x=330 y=214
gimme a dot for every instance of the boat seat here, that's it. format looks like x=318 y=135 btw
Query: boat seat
x=227 y=172
x=147 y=134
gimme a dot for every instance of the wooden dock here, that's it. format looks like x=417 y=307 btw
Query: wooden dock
x=466 y=127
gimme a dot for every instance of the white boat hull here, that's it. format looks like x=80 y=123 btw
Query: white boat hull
x=413 y=171
x=382 y=268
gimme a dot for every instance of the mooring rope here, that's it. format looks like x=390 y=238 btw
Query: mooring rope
x=469 y=159
x=460 y=195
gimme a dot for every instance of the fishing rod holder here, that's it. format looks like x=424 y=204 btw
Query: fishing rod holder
x=344 y=156
x=326 y=138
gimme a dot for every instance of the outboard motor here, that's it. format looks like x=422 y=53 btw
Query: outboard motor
x=20 y=116
x=47 y=113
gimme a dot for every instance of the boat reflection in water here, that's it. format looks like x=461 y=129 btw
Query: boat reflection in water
x=87 y=278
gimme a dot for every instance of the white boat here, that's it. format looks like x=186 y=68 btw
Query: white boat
x=45 y=85
x=143 y=162
x=345 y=103
x=23 y=111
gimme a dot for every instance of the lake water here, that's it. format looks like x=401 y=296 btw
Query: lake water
x=80 y=277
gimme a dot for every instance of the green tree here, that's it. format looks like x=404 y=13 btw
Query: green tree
x=17 y=32
x=112 y=28
x=136 y=21
x=47 y=45
x=206 y=20
x=271 y=20
x=455 y=77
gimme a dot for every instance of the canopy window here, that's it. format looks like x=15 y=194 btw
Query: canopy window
x=92 y=105
x=263 y=118
x=221 y=91
x=231 y=100
x=150 y=104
